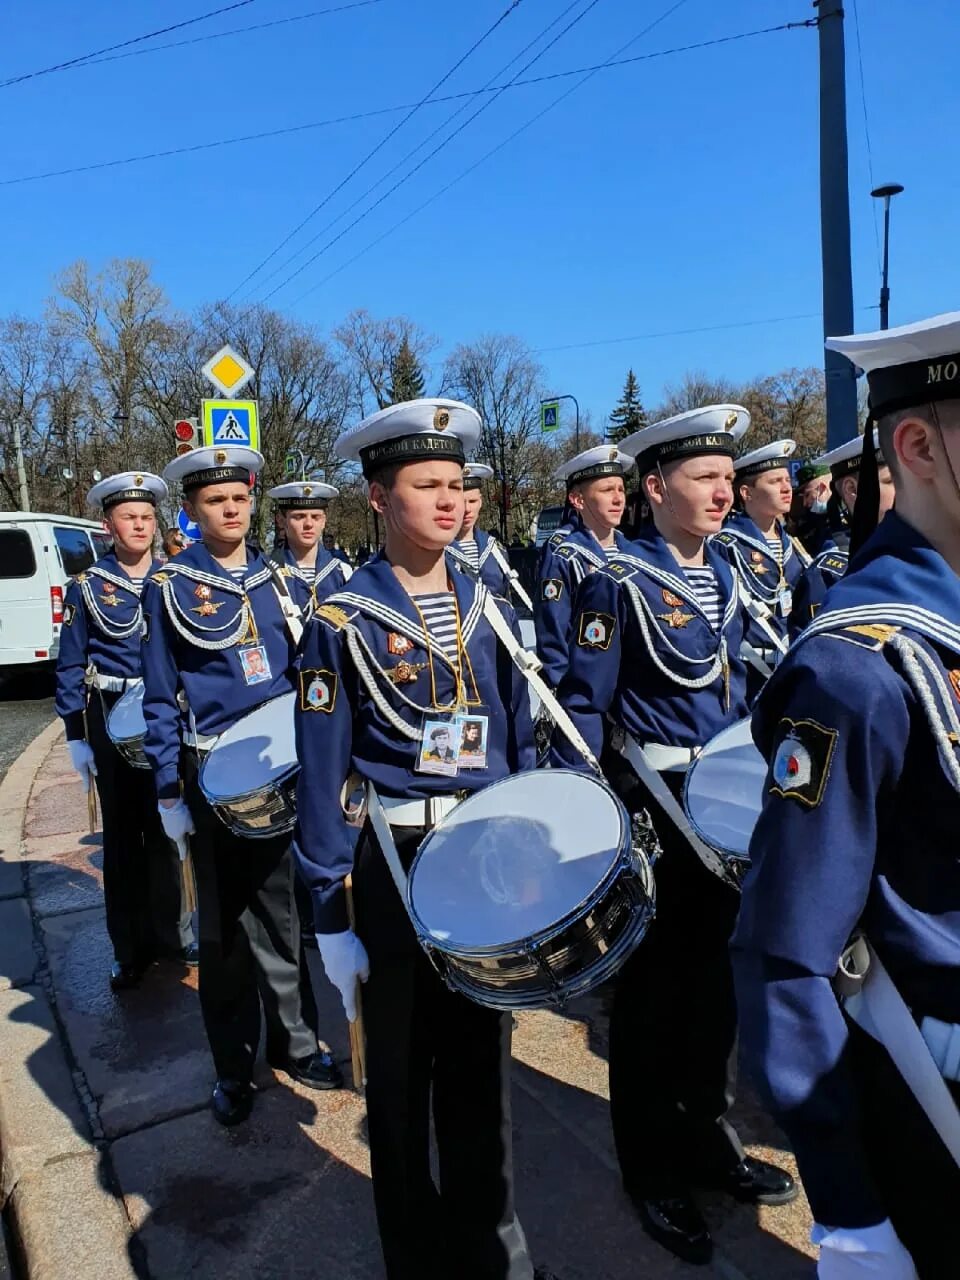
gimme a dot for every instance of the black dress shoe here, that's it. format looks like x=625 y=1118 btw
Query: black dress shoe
x=232 y=1102
x=677 y=1224
x=124 y=977
x=316 y=1071
x=191 y=955
x=757 y=1182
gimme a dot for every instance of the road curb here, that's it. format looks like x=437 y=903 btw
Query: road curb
x=55 y=1187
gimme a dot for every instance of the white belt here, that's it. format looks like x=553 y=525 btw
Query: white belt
x=418 y=813
x=943 y=1041
x=666 y=759
x=200 y=741
x=114 y=684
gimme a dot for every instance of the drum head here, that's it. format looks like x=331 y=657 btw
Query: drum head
x=724 y=790
x=125 y=723
x=515 y=859
x=253 y=753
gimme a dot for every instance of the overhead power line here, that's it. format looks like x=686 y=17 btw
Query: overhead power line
x=384 y=177
x=866 y=134
x=516 y=133
x=370 y=154
x=426 y=160
x=234 y=31
x=288 y=130
x=150 y=35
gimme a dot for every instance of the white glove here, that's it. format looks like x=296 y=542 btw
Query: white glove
x=345 y=961
x=81 y=757
x=176 y=821
x=862 y=1253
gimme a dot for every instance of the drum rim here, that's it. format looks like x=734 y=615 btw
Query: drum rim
x=733 y=854
x=292 y=769
x=621 y=860
x=128 y=697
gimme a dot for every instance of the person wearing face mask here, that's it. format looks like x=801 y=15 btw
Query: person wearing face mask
x=832 y=563
x=654 y=673
x=310 y=570
x=595 y=503
x=854 y=851
x=821 y=523
x=393 y=668
x=479 y=553
x=767 y=561
x=99 y=661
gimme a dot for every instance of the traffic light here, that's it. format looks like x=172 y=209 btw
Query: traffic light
x=186 y=432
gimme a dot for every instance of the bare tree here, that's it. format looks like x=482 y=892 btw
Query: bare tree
x=694 y=390
x=790 y=405
x=370 y=348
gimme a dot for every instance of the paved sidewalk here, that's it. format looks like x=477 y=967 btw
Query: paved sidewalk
x=114 y=1168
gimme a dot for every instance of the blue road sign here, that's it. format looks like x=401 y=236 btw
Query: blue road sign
x=187 y=527
x=231 y=422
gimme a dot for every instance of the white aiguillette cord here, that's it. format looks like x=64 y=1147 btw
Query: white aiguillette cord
x=528 y=664
x=291 y=614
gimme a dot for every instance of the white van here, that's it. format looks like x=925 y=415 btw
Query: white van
x=38 y=555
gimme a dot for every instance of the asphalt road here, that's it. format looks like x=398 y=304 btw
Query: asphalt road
x=26 y=707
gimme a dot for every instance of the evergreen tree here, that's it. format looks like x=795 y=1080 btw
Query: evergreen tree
x=406 y=376
x=629 y=414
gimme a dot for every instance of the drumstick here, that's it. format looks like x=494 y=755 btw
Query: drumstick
x=91 y=805
x=188 y=884
x=358 y=1050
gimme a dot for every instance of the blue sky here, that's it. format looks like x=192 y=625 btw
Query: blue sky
x=673 y=194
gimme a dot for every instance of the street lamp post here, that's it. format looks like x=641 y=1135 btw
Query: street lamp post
x=885 y=193
x=551 y=399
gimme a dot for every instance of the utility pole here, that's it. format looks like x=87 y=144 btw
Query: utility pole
x=840 y=376
x=21 y=472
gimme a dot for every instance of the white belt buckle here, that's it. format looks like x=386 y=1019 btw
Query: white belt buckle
x=943 y=1041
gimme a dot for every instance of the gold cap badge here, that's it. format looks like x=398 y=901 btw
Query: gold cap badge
x=138 y=480
x=441 y=419
x=613 y=455
x=731 y=421
x=307 y=490
x=220 y=457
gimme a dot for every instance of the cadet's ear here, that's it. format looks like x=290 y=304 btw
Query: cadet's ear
x=652 y=485
x=848 y=491
x=190 y=509
x=916 y=449
x=378 y=497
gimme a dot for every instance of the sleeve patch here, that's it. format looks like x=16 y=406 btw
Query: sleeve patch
x=596 y=630
x=318 y=690
x=551 y=589
x=69 y=613
x=802 y=762
x=725 y=539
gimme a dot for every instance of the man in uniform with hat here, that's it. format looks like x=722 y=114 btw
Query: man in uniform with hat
x=311 y=572
x=767 y=561
x=858 y=835
x=99 y=661
x=820 y=520
x=217 y=646
x=404 y=653
x=655 y=672
x=595 y=502
x=477 y=552
x=831 y=564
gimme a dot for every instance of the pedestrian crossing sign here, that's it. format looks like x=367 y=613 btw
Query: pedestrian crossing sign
x=231 y=422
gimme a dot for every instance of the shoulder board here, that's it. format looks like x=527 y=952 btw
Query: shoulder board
x=160 y=576
x=81 y=577
x=618 y=570
x=725 y=538
x=832 y=562
x=867 y=635
x=334 y=615
x=556 y=539
x=284 y=571
x=566 y=552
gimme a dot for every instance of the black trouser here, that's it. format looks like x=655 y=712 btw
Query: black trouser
x=250 y=948
x=917 y=1178
x=673 y=1025
x=141 y=869
x=421 y=1037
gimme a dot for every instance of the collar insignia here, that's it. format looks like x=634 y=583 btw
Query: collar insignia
x=333 y=614
x=677 y=618
x=398 y=645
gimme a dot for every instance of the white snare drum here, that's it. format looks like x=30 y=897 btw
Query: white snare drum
x=723 y=792
x=533 y=890
x=249 y=775
x=126 y=727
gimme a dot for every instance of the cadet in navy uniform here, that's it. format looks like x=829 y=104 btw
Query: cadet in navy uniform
x=403 y=652
x=216 y=639
x=767 y=560
x=654 y=673
x=831 y=564
x=473 y=550
x=595 y=501
x=859 y=831
x=311 y=572
x=99 y=660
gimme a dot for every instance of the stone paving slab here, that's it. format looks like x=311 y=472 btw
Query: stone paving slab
x=41 y=1118
x=71 y=881
x=60 y=808
x=18 y=959
x=70 y=1225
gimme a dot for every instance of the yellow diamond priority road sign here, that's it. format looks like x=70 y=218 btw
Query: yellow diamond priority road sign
x=228 y=371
